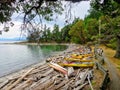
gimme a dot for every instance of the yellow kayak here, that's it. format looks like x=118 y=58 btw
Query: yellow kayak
x=76 y=56
x=77 y=65
x=86 y=55
x=80 y=56
x=73 y=59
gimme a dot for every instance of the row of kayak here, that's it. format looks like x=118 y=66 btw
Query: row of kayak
x=74 y=60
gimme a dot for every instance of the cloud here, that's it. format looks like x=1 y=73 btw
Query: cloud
x=13 y=31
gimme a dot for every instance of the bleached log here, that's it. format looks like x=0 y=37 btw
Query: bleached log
x=10 y=83
x=39 y=70
x=90 y=82
x=38 y=75
x=36 y=84
x=23 y=85
x=48 y=72
x=44 y=85
x=53 y=79
x=77 y=75
x=82 y=80
x=66 y=86
x=84 y=77
x=15 y=83
x=81 y=86
x=41 y=66
x=41 y=81
x=56 y=87
x=36 y=70
x=60 y=85
x=70 y=71
x=4 y=83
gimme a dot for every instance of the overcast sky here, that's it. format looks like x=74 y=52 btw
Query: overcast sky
x=78 y=10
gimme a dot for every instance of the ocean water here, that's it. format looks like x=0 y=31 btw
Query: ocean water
x=14 y=57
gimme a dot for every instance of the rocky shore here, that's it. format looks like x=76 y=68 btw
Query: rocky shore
x=43 y=77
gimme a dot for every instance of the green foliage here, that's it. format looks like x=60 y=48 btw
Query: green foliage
x=6 y=10
x=77 y=32
x=107 y=19
x=47 y=36
x=112 y=44
x=65 y=33
x=116 y=25
x=108 y=7
x=95 y=14
x=56 y=34
x=92 y=28
x=44 y=9
x=75 y=40
x=110 y=22
x=31 y=8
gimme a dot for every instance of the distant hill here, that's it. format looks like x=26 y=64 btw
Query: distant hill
x=13 y=39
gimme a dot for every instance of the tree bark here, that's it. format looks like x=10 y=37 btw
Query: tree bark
x=117 y=55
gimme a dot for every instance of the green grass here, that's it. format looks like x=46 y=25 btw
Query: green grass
x=93 y=83
x=118 y=67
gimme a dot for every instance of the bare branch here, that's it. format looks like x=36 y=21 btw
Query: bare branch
x=34 y=7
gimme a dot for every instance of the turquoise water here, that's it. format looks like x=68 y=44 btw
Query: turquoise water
x=14 y=57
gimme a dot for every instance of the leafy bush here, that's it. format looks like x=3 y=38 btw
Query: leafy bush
x=112 y=44
x=75 y=40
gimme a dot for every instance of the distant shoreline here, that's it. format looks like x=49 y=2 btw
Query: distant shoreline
x=10 y=42
x=32 y=43
x=28 y=43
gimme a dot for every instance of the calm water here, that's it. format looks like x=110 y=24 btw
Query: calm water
x=14 y=57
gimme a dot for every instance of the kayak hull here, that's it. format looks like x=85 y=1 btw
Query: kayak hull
x=79 y=60
x=80 y=56
x=77 y=65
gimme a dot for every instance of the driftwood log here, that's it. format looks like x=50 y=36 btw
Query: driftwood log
x=15 y=83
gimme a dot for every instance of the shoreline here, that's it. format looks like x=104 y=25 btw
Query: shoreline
x=28 y=43
x=20 y=71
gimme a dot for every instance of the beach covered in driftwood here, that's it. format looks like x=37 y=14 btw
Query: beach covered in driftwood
x=77 y=73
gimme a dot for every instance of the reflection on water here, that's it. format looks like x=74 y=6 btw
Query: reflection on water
x=52 y=48
x=14 y=57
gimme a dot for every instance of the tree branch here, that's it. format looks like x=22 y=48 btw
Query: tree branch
x=34 y=7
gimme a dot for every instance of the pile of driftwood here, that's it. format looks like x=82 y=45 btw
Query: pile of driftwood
x=44 y=77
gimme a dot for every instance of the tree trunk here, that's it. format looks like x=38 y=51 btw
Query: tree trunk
x=117 y=55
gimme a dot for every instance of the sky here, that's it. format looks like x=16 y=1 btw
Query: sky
x=78 y=10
